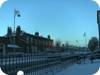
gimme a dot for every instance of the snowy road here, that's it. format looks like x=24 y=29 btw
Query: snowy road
x=81 y=69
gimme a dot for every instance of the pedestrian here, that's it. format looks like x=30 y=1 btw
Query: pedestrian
x=91 y=58
x=84 y=58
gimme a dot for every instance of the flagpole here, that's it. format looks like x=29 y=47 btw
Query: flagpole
x=85 y=39
x=77 y=43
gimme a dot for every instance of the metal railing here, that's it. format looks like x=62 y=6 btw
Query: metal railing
x=36 y=64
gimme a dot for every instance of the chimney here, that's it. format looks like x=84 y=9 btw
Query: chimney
x=37 y=34
x=48 y=36
x=18 y=30
x=9 y=31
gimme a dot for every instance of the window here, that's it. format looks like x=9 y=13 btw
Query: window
x=46 y=42
x=27 y=39
x=43 y=42
x=31 y=40
x=36 y=41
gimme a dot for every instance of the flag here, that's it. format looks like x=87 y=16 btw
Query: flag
x=84 y=35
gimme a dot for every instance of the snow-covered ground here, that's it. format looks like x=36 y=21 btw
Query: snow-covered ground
x=81 y=69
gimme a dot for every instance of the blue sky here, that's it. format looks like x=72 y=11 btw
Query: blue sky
x=66 y=20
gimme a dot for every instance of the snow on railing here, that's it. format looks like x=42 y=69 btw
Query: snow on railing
x=31 y=63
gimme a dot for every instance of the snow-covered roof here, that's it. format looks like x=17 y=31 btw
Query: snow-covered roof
x=12 y=46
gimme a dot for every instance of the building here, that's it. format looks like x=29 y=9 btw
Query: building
x=23 y=42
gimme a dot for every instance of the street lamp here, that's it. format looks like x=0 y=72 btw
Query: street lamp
x=98 y=21
x=16 y=13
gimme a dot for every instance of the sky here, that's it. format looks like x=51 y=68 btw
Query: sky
x=64 y=20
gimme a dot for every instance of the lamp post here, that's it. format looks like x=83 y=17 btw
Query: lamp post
x=16 y=13
x=98 y=21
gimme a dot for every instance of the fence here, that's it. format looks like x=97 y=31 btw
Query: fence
x=36 y=64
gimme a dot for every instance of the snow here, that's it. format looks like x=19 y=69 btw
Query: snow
x=81 y=69
x=19 y=60
x=12 y=46
x=86 y=68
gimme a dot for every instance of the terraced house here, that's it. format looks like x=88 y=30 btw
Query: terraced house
x=23 y=42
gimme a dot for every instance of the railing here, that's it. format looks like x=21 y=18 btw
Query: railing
x=35 y=64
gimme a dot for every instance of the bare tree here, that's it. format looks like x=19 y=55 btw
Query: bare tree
x=67 y=46
x=58 y=44
x=63 y=47
x=93 y=43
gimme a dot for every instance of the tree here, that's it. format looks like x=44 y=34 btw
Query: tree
x=93 y=43
x=67 y=46
x=58 y=44
x=63 y=48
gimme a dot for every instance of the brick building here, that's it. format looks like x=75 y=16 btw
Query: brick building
x=24 y=42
